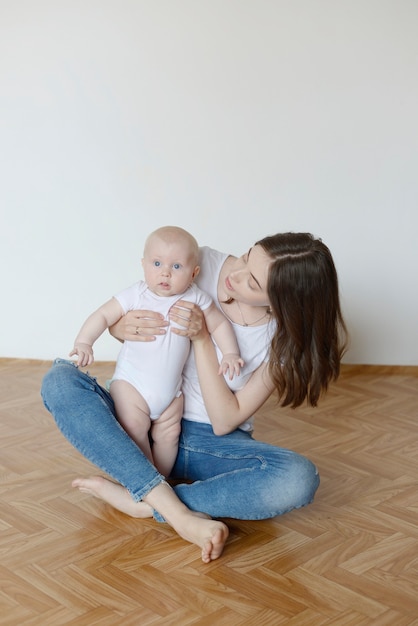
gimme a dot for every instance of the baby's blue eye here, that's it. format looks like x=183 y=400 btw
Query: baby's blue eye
x=176 y=266
x=157 y=263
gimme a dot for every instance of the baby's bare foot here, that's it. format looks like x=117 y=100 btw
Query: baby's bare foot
x=114 y=494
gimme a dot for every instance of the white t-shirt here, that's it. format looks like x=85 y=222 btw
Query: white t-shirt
x=253 y=341
x=155 y=368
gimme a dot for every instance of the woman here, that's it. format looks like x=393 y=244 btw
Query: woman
x=282 y=298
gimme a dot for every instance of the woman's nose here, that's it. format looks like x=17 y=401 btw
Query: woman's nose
x=235 y=275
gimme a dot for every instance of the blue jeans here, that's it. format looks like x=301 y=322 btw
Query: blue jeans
x=233 y=475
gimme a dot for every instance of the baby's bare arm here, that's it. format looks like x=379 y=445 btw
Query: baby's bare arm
x=93 y=327
x=223 y=333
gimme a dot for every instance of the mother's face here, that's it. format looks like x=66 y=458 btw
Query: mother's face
x=247 y=280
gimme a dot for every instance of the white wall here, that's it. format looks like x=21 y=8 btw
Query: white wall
x=232 y=118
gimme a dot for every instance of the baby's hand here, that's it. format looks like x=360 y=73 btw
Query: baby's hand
x=84 y=352
x=231 y=363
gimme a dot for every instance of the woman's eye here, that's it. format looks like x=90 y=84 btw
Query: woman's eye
x=253 y=285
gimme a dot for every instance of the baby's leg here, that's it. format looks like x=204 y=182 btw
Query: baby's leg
x=133 y=414
x=165 y=433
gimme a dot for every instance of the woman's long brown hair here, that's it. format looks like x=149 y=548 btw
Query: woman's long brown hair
x=311 y=335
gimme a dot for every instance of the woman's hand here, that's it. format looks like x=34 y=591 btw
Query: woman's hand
x=139 y=326
x=190 y=317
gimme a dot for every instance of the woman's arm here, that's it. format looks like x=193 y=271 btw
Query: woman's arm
x=227 y=410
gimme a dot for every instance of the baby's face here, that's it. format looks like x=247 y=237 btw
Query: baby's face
x=169 y=266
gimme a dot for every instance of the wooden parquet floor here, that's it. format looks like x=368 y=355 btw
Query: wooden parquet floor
x=349 y=559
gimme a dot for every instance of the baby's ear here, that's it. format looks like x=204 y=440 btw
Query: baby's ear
x=196 y=271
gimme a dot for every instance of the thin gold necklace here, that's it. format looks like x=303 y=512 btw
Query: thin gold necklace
x=244 y=323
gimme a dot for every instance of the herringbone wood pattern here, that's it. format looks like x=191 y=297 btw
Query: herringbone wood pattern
x=349 y=559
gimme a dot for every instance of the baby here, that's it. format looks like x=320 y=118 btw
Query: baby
x=148 y=375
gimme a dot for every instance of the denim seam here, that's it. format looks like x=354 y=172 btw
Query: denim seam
x=224 y=455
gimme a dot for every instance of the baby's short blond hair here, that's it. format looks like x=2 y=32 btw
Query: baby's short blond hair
x=175 y=233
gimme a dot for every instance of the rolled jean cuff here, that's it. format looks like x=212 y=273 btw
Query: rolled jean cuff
x=140 y=495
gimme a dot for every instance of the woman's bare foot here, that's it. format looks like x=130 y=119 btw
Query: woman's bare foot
x=210 y=535
x=114 y=494
x=214 y=545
